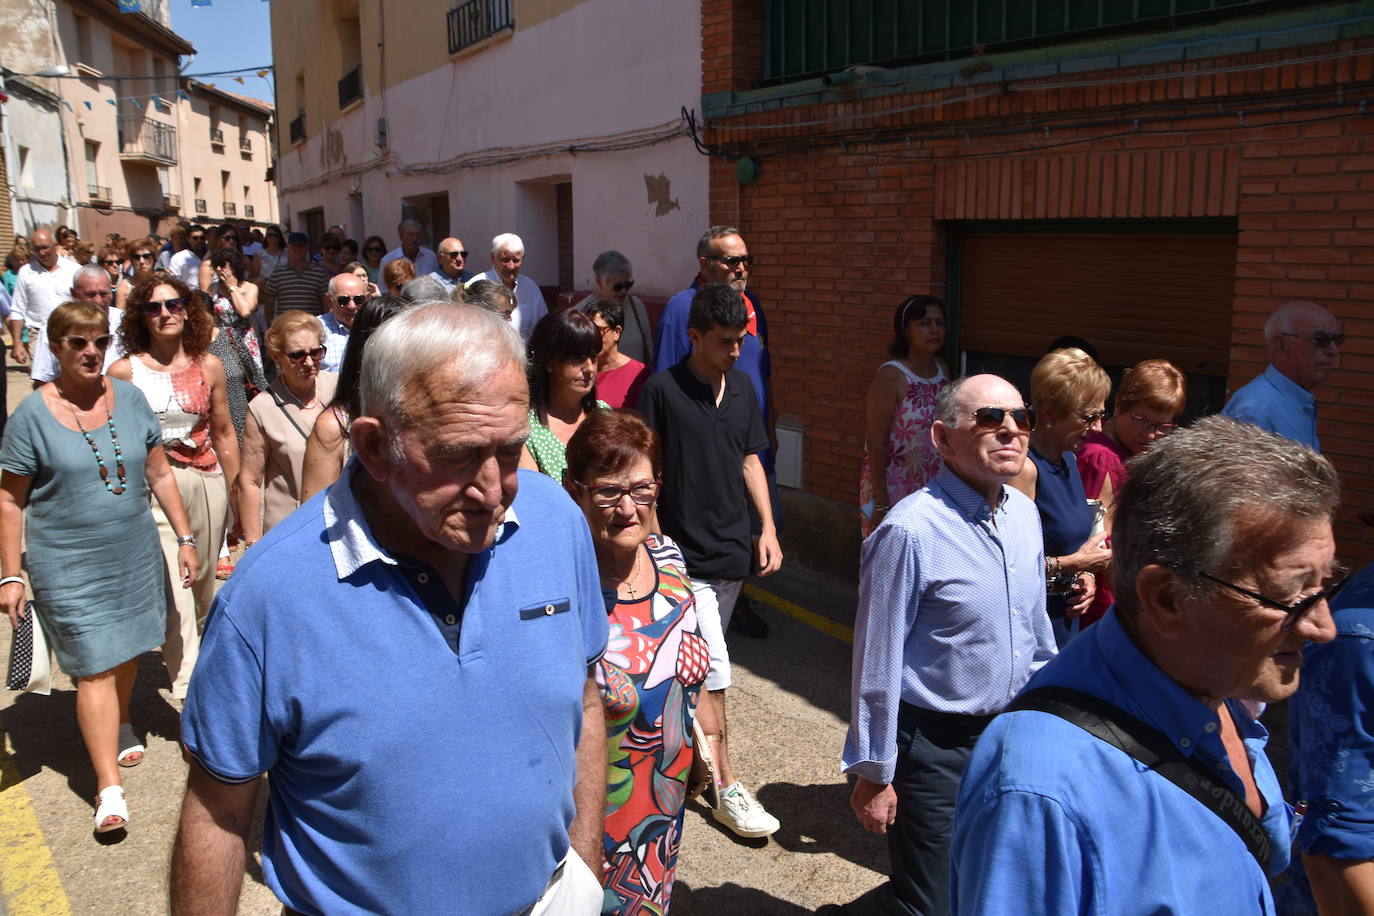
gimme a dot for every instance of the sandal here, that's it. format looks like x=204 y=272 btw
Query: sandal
x=131 y=750
x=110 y=804
x=224 y=569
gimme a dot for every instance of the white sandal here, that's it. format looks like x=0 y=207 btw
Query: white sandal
x=110 y=803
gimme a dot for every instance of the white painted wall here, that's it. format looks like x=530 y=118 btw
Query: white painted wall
x=639 y=66
x=39 y=200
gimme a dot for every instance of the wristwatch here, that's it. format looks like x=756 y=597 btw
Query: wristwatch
x=186 y=540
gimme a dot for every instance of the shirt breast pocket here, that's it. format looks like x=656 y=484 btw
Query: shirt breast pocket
x=546 y=609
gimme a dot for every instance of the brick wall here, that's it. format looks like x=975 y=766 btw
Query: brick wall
x=847 y=215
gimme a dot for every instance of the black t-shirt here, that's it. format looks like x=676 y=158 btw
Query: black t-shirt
x=704 y=505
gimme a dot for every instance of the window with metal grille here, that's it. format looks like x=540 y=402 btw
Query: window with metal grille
x=810 y=37
x=470 y=22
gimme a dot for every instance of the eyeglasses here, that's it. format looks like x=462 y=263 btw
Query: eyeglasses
x=153 y=307
x=1152 y=427
x=733 y=261
x=624 y=286
x=374 y=250
x=1295 y=612
x=1321 y=339
x=80 y=343
x=987 y=418
x=112 y=262
x=197 y=238
x=454 y=254
x=298 y=356
x=143 y=256
x=608 y=497
x=1090 y=418
x=331 y=248
x=356 y=300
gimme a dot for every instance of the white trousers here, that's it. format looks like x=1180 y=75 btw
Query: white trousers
x=715 y=606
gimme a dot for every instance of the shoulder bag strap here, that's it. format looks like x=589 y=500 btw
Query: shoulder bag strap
x=281 y=405
x=1125 y=732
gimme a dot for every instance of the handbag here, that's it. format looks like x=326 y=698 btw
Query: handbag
x=250 y=388
x=701 y=780
x=30 y=666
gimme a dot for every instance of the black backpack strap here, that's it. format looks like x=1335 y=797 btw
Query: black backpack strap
x=1125 y=732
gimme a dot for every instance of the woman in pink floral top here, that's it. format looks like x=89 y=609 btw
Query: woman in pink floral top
x=900 y=408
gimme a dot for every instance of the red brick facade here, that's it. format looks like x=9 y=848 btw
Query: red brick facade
x=848 y=214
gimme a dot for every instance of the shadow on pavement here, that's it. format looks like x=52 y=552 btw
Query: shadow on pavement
x=731 y=899
x=818 y=819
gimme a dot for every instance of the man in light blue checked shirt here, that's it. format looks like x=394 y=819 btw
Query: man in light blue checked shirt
x=951 y=624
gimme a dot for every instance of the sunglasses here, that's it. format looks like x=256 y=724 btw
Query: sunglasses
x=1321 y=340
x=1089 y=419
x=454 y=254
x=298 y=356
x=608 y=497
x=624 y=286
x=1152 y=427
x=80 y=343
x=1294 y=612
x=356 y=300
x=111 y=262
x=732 y=261
x=143 y=256
x=375 y=250
x=153 y=307
x=988 y=418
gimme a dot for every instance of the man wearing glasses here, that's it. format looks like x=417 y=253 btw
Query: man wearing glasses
x=185 y=264
x=346 y=294
x=1304 y=341
x=91 y=284
x=452 y=271
x=951 y=625
x=1223 y=554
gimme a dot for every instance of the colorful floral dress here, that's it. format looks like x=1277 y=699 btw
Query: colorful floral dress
x=911 y=459
x=653 y=670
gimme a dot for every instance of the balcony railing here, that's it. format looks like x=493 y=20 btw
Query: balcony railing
x=98 y=192
x=144 y=139
x=474 y=20
x=216 y=136
x=245 y=145
x=298 y=128
x=230 y=208
x=248 y=211
x=351 y=86
x=171 y=201
x=200 y=204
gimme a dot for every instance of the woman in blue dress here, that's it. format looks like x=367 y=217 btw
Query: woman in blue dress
x=1068 y=392
x=80 y=455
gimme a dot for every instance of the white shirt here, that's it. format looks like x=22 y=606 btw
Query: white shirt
x=116 y=349
x=36 y=293
x=426 y=262
x=529 y=301
x=185 y=266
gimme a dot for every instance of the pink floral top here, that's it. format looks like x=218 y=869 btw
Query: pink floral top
x=911 y=459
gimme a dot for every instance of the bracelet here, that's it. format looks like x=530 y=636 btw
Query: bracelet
x=1053 y=568
x=881 y=508
x=186 y=540
x=8 y=579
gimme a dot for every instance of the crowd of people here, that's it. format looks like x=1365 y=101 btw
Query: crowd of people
x=1069 y=617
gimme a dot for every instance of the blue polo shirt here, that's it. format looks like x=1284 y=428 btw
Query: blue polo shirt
x=1054 y=821
x=406 y=777
x=1274 y=402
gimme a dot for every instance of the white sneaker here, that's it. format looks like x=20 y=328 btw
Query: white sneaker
x=741 y=813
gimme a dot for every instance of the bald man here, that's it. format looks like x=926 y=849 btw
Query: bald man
x=1304 y=341
x=41 y=286
x=452 y=270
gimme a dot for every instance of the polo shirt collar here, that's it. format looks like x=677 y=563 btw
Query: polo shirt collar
x=350 y=537
x=967 y=500
x=334 y=324
x=1289 y=388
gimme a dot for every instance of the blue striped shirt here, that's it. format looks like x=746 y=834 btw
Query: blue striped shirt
x=951 y=614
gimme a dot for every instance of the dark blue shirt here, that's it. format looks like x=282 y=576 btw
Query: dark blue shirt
x=1065 y=517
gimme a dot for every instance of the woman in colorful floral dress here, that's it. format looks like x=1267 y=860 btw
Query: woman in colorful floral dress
x=655 y=662
x=900 y=408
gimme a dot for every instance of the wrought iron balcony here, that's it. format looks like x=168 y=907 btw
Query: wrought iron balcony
x=200 y=204
x=248 y=211
x=298 y=128
x=145 y=140
x=98 y=192
x=171 y=201
x=470 y=22
x=230 y=208
x=351 y=86
x=216 y=136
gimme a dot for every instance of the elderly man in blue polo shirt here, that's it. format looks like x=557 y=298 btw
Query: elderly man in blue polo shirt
x=951 y=624
x=408 y=656
x=1303 y=340
x=1131 y=778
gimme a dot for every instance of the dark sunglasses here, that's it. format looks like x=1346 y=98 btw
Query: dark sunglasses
x=374 y=250
x=608 y=497
x=154 y=307
x=143 y=256
x=1295 y=612
x=732 y=261
x=80 y=343
x=112 y=262
x=1321 y=339
x=455 y=254
x=356 y=300
x=992 y=417
x=624 y=286
x=298 y=356
x=1088 y=419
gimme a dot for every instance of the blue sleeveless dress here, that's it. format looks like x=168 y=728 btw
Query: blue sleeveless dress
x=1066 y=520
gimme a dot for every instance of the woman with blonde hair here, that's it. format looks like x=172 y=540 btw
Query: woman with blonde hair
x=1068 y=392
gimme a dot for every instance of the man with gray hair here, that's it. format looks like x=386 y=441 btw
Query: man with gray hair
x=614 y=278
x=370 y=649
x=424 y=259
x=92 y=284
x=951 y=624
x=346 y=293
x=1131 y=777
x=507 y=257
x=1303 y=340
x=41 y=286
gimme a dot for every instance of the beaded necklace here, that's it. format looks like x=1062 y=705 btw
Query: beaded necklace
x=99 y=460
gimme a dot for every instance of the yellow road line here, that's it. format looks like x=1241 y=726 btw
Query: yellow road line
x=29 y=882
x=810 y=618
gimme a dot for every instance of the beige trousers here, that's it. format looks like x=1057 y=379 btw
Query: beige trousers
x=206 y=498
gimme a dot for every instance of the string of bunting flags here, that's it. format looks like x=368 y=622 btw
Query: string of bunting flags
x=180 y=93
x=136 y=6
